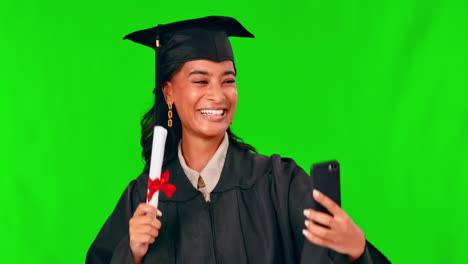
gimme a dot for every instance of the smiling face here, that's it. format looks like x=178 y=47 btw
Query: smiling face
x=205 y=95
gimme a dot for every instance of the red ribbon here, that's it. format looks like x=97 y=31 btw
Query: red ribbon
x=160 y=185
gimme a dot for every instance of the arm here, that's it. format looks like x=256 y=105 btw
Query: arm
x=371 y=255
x=299 y=197
x=291 y=194
x=112 y=242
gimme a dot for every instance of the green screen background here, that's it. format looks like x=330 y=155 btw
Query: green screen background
x=379 y=85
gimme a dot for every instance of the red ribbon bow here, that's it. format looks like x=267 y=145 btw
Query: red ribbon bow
x=160 y=184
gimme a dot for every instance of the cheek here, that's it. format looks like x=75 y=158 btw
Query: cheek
x=232 y=97
x=185 y=99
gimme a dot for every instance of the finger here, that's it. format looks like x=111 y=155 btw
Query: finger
x=320 y=231
x=145 y=230
x=142 y=239
x=319 y=217
x=145 y=220
x=316 y=240
x=144 y=209
x=326 y=202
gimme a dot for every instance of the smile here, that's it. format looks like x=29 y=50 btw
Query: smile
x=212 y=112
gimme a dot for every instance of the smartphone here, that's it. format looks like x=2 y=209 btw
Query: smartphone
x=326 y=179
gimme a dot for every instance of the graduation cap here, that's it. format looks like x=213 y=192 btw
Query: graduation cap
x=175 y=43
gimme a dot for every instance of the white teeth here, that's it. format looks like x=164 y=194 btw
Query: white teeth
x=211 y=112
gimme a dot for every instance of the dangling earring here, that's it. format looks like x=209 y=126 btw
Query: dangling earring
x=169 y=115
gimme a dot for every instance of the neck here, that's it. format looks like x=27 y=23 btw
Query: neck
x=197 y=151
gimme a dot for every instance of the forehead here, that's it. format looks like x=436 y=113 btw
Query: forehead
x=207 y=66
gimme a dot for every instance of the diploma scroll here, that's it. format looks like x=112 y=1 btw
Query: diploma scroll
x=157 y=156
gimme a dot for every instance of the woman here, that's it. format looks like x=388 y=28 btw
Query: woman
x=231 y=205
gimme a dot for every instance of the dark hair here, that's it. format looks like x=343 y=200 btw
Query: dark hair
x=175 y=132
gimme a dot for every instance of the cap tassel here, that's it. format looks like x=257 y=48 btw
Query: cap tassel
x=158 y=91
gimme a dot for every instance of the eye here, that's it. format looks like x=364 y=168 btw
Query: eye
x=201 y=82
x=230 y=81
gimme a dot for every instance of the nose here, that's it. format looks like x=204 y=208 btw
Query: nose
x=215 y=93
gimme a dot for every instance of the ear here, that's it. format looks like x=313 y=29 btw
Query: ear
x=167 y=90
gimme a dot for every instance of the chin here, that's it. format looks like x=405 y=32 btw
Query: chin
x=213 y=131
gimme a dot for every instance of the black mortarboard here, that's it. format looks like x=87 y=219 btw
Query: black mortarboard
x=179 y=42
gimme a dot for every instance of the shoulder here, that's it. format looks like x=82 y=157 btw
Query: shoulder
x=275 y=163
x=285 y=165
x=136 y=189
x=274 y=166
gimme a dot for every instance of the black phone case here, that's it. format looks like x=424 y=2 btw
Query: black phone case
x=326 y=179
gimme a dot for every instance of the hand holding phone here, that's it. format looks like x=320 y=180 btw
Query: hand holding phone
x=337 y=230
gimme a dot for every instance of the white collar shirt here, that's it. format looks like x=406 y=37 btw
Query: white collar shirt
x=212 y=171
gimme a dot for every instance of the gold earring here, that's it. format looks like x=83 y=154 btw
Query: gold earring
x=169 y=115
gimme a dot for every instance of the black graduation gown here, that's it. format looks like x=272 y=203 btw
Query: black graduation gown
x=255 y=216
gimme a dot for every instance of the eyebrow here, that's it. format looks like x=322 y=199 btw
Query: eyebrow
x=229 y=73
x=199 y=72
x=206 y=73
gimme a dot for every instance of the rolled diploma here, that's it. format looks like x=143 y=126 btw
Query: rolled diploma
x=157 y=155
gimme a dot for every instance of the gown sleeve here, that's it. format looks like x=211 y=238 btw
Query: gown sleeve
x=112 y=243
x=292 y=192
